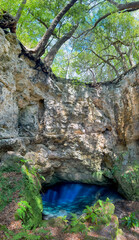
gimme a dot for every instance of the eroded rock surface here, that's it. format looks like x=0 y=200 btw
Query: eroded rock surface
x=75 y=133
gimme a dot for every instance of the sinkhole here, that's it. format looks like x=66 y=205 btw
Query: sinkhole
x=65 y=198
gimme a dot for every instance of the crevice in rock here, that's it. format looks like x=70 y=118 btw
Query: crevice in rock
x=41 y=110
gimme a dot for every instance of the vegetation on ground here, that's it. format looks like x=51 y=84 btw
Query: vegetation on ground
x=28 y=187
x=130 y=221
x=29 y=211
x=8 y=188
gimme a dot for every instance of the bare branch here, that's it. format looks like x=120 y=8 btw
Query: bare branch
x=132 y=6
x=96 y=5
x=121 y=54
x=53 y=51
x=20 y=9
x=38 y=51
x=121 y=8
x=106 y=61
x=43 y=23
x=113 y=2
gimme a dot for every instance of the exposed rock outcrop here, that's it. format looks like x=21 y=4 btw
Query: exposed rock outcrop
x=75 y=133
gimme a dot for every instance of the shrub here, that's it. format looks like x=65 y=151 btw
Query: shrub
x=130 y=221
x=100 y=213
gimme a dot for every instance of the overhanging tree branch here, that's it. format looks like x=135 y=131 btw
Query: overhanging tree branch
x=132 y=6
x=20 y=10
x=128 y=7
x=105 y=61
x=43 y=23
x=8 y=21
x=121 y=8
x=53 y=51
x=38 y=51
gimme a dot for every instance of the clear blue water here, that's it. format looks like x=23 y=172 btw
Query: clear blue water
x=65 y=198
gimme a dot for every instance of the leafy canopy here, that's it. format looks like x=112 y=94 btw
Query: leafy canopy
x=104 y=45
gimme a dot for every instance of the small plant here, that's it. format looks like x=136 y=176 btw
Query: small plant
x=100 y=213
x=76 y=225
x=115 y=169
x=130 y=221
x=30 y=206
x=37 y=234
x=90 y=215
x=23 y=212
x=64 y=219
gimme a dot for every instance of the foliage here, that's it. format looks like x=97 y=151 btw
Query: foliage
x=28 y=189
x=127 y=173
x=76 y=225
x=100 y=213
x=109 y=50
x=64 y=219
x=97 y=215
x=11 y=168
x=93 y=53
x=8 y=188
x=23 y=212
x=132 y=176
x=30 y=208
x=37 y=234
x=130 y=221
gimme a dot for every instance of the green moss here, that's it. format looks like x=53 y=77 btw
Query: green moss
x=98 y=176
x=28 y=187
x=30 y=208
x=128 y=178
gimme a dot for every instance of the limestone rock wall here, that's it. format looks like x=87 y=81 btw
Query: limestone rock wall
x=74 y=133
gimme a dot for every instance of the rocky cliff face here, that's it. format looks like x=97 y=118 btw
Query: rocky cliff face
x=74 y=133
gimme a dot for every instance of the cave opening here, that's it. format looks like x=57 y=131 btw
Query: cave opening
x=65 y=198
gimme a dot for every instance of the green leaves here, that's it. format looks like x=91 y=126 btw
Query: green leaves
x=130 y=221
x=76 y=225
x=109 y=49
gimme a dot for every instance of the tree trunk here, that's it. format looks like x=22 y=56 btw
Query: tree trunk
x=39 y=50
x=8 y=21
x=20 y=9
x=121 y=54
x=53 y=51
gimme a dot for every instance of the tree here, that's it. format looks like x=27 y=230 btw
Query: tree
x=112 y=48
x=45 y=26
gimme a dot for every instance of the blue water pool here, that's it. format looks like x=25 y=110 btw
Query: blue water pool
x=65 y=198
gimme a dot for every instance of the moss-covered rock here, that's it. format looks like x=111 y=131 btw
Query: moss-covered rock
x=128 y=178
x=30 y=208
x=56 y=222
x=102 y=218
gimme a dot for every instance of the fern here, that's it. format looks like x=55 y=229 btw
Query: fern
x=30 y=207
x=76 y=225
